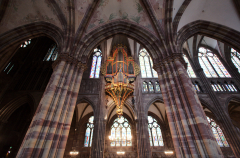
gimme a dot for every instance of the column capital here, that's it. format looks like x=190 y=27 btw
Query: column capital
x=71 y=60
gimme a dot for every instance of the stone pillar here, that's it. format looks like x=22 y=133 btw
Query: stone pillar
x=48 y=132
x=143 y=144
x=98 y=141
x=191 y=133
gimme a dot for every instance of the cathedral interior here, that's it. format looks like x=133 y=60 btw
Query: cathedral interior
x=119 y=78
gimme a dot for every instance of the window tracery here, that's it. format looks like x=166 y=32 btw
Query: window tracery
x=89 y=132
x=26 y=43
x=96 y=63
x=218 y=134
x=157 y=87
x=155 y=134
x=189 y=68
x=224 y=87
x=121 y=132
x=150 y=87
x=52 y=53
x=145 y=87
x=146 y=65
x=235 y=57
x=211 y=65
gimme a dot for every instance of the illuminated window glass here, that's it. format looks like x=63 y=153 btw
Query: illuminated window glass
x=8 y=68
x=96 y=63
x=155 y=134
x=197 y=87
x=26 y=43
x=157 y=87
x=218 y=134
x=145 y=87
x=150 y=87
x=189 y=68
x=235 y=56
x=211 y=65
x=146 y=65
x=51 y=54
x=121 y=132
x=89 y=132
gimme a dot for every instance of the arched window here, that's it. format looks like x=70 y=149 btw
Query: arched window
x=211 y=65
x=89 y=132
x=146 y=65
x=189 y=68
x=121 y=132
x=217 y=132
x=150 y=87
x=96 y=63
x=155 y=134
x=197 y=87
x=157 y=87
x=145 y=87
x=235 y=56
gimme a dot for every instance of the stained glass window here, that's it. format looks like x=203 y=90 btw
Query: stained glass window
x=189 y=68
x=235 y=56
x=8 y=68
x=150 y=87
x=96 y=63
x=89 y=132
x=218 y=134
x=197 y=87
x=26 y=43
x=157 y=87
x=145 y=87
x=51 y=54
x=146 y=65
x=226 y=87
x=121 y=132
x=155 y=134
x=211 y=65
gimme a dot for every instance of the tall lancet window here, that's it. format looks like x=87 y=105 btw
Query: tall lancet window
x=218 y=134
x=96 y=63
x=121 y=132
x=155 y=134
x=211 y=65
x=89 y=132
x=235 y=56
x=146 y=65
x=189 y=68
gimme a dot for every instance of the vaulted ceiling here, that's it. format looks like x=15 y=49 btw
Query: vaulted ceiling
x=87 y=15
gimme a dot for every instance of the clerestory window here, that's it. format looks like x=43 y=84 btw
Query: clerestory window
x=96 y=63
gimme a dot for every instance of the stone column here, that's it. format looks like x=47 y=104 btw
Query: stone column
x=191 y=133
x=48 y=132
x=143 y=144
x=98 y=141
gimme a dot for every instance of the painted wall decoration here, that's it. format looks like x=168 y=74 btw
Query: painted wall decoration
x=21 y=12
x=130 y=10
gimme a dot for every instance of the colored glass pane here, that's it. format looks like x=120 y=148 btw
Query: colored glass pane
x=145 y=88
x=189 y=68
x=157 y=87
x=218 y=134
x=143 y=70
x=216 y=67
x=96 y=63
x=89 y=132
x=155 y=135
x=221 y=67
x=214 y=87
x=147 y=65
x=113 y=136
x=98 y=67
x=93 y=67
x=87 y=135
x=155 y=75
x=150 y=87
x=129 y=137
x=235 y=56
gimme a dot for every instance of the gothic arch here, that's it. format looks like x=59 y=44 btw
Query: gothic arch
x=33 y=30
x=86 y=100
x=154 y=46
x=210 y=29
x=152 y=101
x=7 y=110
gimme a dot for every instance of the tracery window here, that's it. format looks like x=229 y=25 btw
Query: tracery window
x=8 y=68
x=224 y=87
x=51 y=54
x=121 y=132
x=155 y=134
x=211 y=65
x=145 y=87
x=150 y=87
x=146 y=65
x=197 y=87
x=157 y=87
x=89 y=132
x=26 y=43
x=218 y=134
x=189 y=68
x=235 y=56
x=96 y=63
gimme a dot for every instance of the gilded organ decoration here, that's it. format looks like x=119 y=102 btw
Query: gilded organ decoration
x=120 y=72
